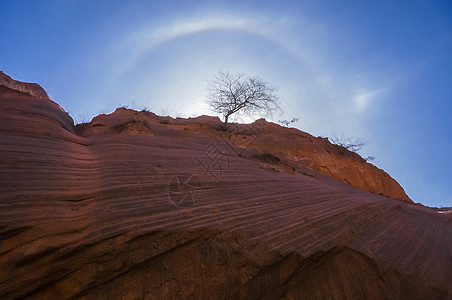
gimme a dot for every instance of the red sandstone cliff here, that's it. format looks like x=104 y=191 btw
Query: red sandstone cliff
x=136 y=206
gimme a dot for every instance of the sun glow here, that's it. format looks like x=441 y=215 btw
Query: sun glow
x=192 y=50
x=362 y=100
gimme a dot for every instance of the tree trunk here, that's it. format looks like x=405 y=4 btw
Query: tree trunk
x=226 y=117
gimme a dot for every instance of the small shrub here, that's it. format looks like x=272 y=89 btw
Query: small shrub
x=287 y=123
x=351 y=144
x=369 y=158
x=268 y=157
x=133 y=126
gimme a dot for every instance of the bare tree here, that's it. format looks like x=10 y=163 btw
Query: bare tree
x=350 y=144
x=232 y=93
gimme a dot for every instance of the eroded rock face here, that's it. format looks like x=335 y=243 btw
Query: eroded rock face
x=111 y=209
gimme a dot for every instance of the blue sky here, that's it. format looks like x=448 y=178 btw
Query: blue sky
x=377 y=70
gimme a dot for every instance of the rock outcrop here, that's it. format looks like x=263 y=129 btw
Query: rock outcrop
x=289 y=147
x=136 y=206
x=302 y=149
x=32 y=89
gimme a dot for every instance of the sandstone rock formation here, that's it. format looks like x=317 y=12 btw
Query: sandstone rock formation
x=137 y=206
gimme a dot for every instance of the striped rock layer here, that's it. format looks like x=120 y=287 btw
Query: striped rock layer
x=137 y=206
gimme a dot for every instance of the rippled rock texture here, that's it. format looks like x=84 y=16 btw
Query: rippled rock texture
x=137 y=206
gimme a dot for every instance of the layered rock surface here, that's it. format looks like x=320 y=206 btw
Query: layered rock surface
x=136 y=206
